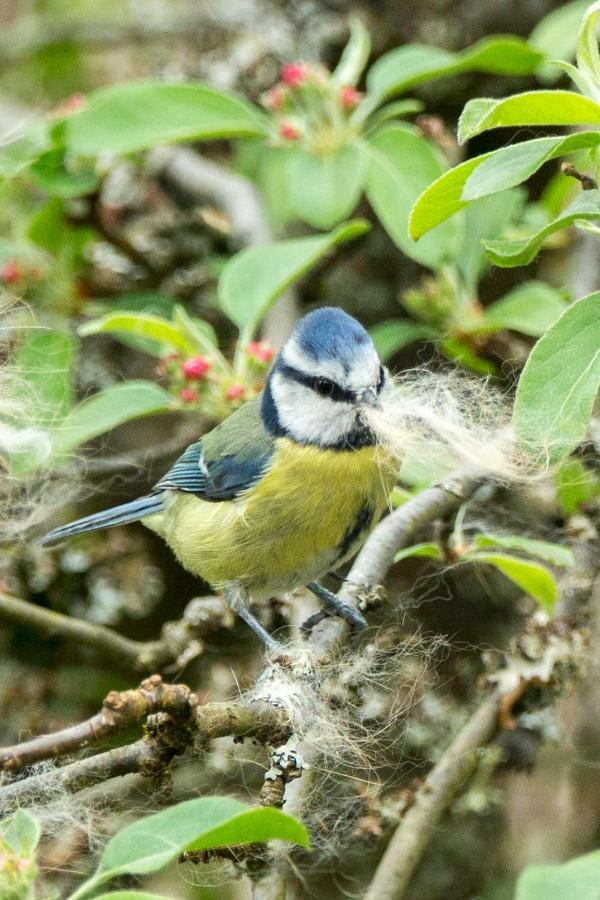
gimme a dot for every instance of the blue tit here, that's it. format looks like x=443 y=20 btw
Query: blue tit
x=287 y=488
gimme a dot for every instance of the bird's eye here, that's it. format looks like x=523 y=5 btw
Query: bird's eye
x=324 y=387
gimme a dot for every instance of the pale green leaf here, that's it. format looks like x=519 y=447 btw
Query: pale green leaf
x=275 y=184
x=203 y=824
x=555 y=554
x=137 y=115
x=21 y=145
x=459 y=351
x=53 y=173
x=531 y=308
x=588 y=57
x=512 y=165
x=531 y=577
x=107 y=409
x=326 y=188
x=559 y=383
x=427 y=550
x=413 y=64
x=530 y=108
x=485 y=219
x=510 y=253
x=556 y=35
x=254 y=278
x=578 y=879
x=402 y=163
x=45 y=362
x=442 y=198
x=397 y=110
x=144 y=325
x=576 y=484
x=355 y=55
x=21 y=832
x=392 y=335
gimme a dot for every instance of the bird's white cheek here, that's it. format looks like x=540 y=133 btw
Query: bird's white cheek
x=308 y=417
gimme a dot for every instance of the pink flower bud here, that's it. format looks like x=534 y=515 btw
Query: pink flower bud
x=260 y=351
x=72 y=104
x=188 y=395
x=293 y=74
x=275 y=97
x=11 y=271
x=288 y=131
x=195 y=368
x=349 y=97
x=235 y=392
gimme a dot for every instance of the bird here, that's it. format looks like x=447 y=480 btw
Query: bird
x=287 y=488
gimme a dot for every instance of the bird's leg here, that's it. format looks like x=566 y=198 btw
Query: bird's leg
x=237 y=598
x=336 y=607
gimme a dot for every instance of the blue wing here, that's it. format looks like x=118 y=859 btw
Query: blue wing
x=224 y=478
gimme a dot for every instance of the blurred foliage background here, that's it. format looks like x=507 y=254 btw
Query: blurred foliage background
x=136 y=236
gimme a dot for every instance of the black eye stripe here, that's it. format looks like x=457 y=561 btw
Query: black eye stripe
x=337 y=393
x=381 y=379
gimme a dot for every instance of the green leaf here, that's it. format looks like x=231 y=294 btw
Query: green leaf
x=575 y=485
x=396 y=110
x=579 y=879
x=556 y=35
x=413 y=64
x=54 y=175
x=531 y=308
x=512 y=165
x=143 y=325
x=107 y=409
x=254 y=278
x=585 y=208
x=485 y=219
x=47 y=228
x=325 y=189
x=462 y=353
x=21 y=832
x=275 y=184
x=20 y=147
x=533 y=578
x=588 y=57
x=202 y=824
x=559 y=383
x=530 y=108
x=555 y=554
x=45 y=361
x=401 y=164
x=428 y=550
x=135 y=116
x=391 y=336
x=355 y=56
x=442 y=198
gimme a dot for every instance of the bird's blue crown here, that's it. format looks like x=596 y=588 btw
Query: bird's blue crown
x=330 y=333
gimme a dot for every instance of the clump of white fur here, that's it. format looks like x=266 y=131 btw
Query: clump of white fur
x=448 y=421
x=348 y=717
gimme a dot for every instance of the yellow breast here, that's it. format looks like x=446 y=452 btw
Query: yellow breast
x=310 y=511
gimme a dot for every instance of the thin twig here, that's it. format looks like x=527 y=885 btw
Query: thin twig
x=181 y=640
x=587 y=182
x=412 y=836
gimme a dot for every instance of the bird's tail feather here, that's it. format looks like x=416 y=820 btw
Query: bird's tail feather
x=116 y=515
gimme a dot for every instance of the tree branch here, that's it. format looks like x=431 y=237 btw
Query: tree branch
x=180 y=640
x=412 y=836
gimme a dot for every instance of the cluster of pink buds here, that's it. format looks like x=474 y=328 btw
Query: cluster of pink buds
x=302 y=86
x=260 y=351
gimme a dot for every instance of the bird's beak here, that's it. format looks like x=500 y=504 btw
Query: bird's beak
x=369 y=398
